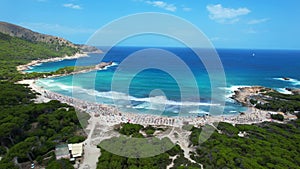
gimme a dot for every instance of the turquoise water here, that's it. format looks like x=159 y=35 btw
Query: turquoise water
x=154 y=91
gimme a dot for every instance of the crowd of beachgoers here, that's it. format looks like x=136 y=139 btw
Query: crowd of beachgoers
x=112 y=114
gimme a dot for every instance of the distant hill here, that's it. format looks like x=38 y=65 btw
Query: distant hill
x=20 y=32
x=20 y=46
x=29 y=35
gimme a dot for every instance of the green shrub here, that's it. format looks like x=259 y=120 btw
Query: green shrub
x=278 y=117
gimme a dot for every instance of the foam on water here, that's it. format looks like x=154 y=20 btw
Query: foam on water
x=198 y=112
x=112 y=65
x=230 y=91
x=283 y=90
x=148 y=102
x=157 y=100
x=50 y=83
x=294 y=82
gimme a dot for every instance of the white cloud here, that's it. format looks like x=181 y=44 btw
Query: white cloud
x=258 y=21
x=225 y=15
x=163 y=5
x=186 y=9
x=250 y=31
x=73 y=6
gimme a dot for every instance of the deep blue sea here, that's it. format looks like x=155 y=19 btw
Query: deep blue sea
x=156 y=91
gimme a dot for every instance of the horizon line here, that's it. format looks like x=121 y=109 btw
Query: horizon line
x=217 y=48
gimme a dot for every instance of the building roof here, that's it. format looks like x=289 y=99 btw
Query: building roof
x=62 y=151
x=76 y=149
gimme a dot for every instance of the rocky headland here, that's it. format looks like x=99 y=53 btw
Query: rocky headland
x=244 y=94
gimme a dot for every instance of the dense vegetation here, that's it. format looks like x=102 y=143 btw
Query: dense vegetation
x=267 y=145
x=128 y=146
x=133 y=130
x=28 y=131
x=16 y=51
x=280 y=102
x=278 y=117
x=61 y=71
x=60 y=164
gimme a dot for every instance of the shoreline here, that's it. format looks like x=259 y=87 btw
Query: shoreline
x=113 y=116
x=23 y=68
x=251 y=116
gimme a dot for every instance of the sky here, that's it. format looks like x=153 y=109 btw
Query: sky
x=251 y=24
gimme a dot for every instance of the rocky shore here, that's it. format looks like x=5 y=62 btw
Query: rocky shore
x=294 y=91
x=244 y=94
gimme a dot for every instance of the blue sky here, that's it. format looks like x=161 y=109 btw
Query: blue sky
x=248 y=24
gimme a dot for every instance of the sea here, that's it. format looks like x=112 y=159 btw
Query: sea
x=165 y=89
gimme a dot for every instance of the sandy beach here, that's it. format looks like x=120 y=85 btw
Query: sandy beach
x=22 y=68
x=114 y=116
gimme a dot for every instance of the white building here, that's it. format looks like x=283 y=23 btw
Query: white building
x=76 y=150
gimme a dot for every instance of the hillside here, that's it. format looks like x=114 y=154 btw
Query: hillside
x=20 y=32
x=29 y=35
x=16 y=51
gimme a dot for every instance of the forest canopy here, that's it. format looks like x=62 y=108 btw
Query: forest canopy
x=30 y=131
